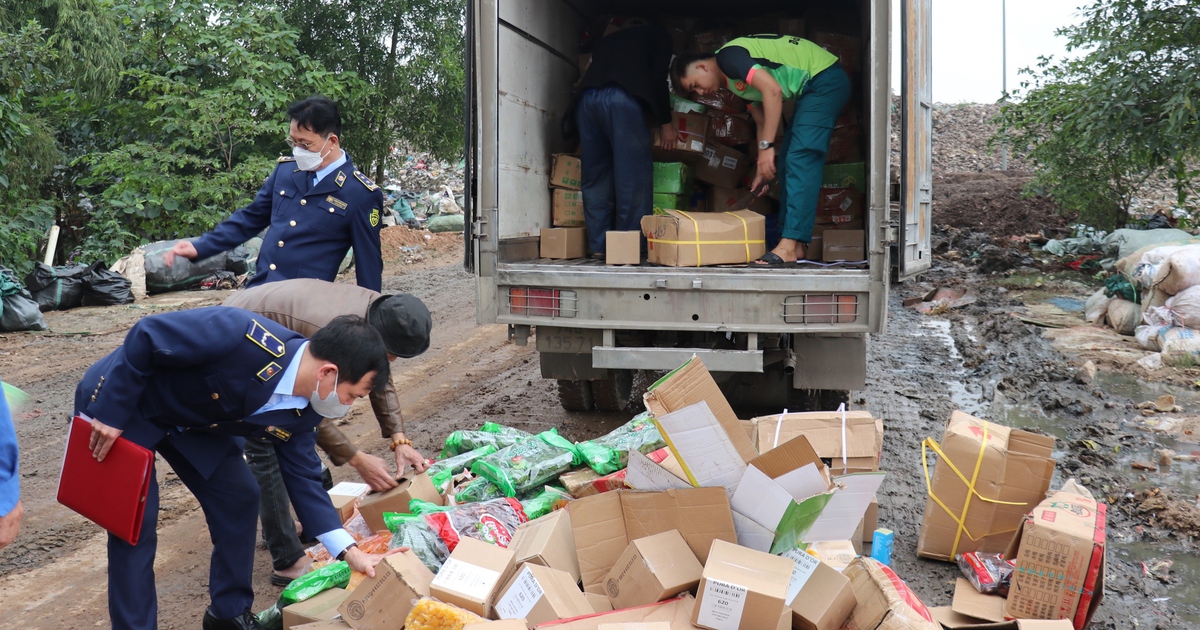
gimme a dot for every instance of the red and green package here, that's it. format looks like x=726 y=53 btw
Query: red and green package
x=492 y=522
x=610 y=453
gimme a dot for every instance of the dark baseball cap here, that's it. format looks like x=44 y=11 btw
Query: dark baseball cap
x=404 y=322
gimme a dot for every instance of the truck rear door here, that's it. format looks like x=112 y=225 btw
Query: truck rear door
x=916 y=150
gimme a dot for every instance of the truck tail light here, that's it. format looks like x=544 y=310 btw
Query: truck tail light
x=532 y=302
x=820 y=309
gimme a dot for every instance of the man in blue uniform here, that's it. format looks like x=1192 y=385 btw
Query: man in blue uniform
x=192 y=386
x=315 y=206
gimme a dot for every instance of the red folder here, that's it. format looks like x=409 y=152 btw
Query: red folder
x=112 y=493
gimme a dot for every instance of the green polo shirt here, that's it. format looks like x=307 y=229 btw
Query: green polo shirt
x=791 y=61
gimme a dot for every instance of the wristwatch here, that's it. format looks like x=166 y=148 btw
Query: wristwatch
x=342 y=556
x=763 y=145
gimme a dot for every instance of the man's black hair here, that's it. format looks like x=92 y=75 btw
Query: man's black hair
x=355 y=347
x=317 y=114
x=683 y=60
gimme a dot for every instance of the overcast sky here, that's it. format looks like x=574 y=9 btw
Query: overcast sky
x=966 y=44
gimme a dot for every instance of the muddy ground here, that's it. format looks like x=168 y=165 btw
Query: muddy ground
x=979 y=358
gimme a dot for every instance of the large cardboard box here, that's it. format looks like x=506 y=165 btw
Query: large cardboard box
x=566 y=173
x=321 y=607
x=742 y=589
x=848 y=245
x=472 y=576
x=1012 y=471
x=689 y=384
x=548 y=541
x=726 y=199
x=564 y=242
x=1059 y=552
x=857 y=450
x=604 y=525
x=345 y=497
x=972 y=609
x=843 y=208
x=685 y=239
x=379 y=601
x=884 y=600
x=676 y=612
x=652 y=569
x=623 y=248
x=566 y=207
x=819 y=596
x=537 y=594
x=396 y=500
x=692 y=132
x=722 y=166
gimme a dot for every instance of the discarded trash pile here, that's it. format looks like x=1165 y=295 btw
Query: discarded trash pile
x=424 y=192
x=688 y=517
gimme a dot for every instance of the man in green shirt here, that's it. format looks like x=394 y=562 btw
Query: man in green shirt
x=768 y=69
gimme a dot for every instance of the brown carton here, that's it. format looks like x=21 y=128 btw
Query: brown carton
x=688 y=385
x=687 y=239
x=548 y=541
x=566 y=173
x=396 y=500
x=472 y=576
x=378 y=601
x=652 y=569
x=726 y=199
x=333 y=624
x=578 y=482
x=604 y=525
x=566 y=208
x=538 y=594
x=975 y=610
x=503 y=624
x=598 y=602
x=849 y=245
x=870 y=521
x=722 y=166
x=1012 y=471
x=676 y=612
x=819 y=597
x=564 y=242
x=1059 y=552
x=863 y=437
x=692 y=132
x=321 y=607
x=836 y=553
x=623 y=248
x=345 y=496
x=884 y=601
x=742 y=588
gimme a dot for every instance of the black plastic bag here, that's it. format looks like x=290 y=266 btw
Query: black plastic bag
x=56 y=288
x=18 y=310
x=104 y=287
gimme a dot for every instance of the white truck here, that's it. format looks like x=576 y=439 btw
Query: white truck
x=774 y=338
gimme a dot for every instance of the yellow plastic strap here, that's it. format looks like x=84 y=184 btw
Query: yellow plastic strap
x=745 y=232
x=697 y=242
x=696 y=231
x=674 y=451
x=961 y=521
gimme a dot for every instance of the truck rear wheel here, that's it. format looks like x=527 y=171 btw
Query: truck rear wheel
x=576 y=395
x=817 y=399
x=612 y=393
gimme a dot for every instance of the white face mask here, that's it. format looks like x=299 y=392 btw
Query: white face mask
x=309 y=160
x=331 y=406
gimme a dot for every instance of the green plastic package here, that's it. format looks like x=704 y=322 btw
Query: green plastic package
x=394 y=520
x=442 y=470
x=527 y=465
x=543 y=502
x=609 y=453
x=305 y=587
x=490 y=434
x=684 y=106
x=479 y=489
x=416 y=534
x=417 y=506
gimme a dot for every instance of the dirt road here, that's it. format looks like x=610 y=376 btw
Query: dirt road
x=54 y=576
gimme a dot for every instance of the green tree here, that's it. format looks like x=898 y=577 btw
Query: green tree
x=1124 y=109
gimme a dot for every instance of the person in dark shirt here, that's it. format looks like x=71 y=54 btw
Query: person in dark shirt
x=623 y=93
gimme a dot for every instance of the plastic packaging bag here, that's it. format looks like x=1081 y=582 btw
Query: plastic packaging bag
x=989 y=573
x=1180 y=346
x=545 y=502
x=478 y=489
x=490 y=434
x=419 y=507
x=610 y=453
x=1096 y=306
x=1124 y=316
x=56 y=288
x=492 y=522
x=1180 y=271
x=430 y=614
x=527 y=465
x=18 y=311
x=419 y=537
x=1185 y=305
x=443 y=470
x=103 y=287
x=303 y=588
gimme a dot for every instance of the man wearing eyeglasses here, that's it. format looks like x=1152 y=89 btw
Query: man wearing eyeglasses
x=315 y=206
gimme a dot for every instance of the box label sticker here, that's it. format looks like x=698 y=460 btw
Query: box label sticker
x=697 y=146
x=521 y=597
x=846 y=203
x=350 y=489
x=721 y=608
x=466 y=579
x=729 y=162
x=711 y=154
x=714 y=162
x=806 y=563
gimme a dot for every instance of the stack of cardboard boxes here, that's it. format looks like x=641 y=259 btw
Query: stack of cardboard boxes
x=568 y=238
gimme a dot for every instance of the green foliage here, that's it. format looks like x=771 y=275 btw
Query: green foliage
x=1097 y=125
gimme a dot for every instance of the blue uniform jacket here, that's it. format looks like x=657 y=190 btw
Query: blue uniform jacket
x=195 y=377
x=308 y=231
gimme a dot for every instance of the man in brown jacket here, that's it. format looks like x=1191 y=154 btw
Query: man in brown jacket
x=305 y=306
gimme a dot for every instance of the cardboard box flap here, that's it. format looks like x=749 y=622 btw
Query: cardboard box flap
x=677 y=612
x=690 y=384
x=972 y=603
x=789 y=456
x=955 y=621
x=702 y=446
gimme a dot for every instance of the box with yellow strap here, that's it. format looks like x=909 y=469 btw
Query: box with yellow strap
x=987 y=477
x=693 y=239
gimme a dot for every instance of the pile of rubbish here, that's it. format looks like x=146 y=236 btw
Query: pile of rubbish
x=49 y=288
x=685 y=514
x=425 y=192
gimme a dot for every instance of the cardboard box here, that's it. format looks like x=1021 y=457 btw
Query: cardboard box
x=819 y=596
x=852 y=175
x=838 y=554
x=623 y=248
x=473 y=575
x=605 y=524
x=576 y=481
x=692 y=132
x=334 y=624
x=548 y=541
x=599 y=603
x=566 y=207
x=884 y=600
x=702 y=447
x=730 y=129
x=1015 y=467
x=813 y=251
x=840 y=207
x=972 y=609
x=345 y=497
x=726 y=199
x=537 y=594
x=321 y=607
x=689 y=384
x=674 y=178
x=823 y=429
x=379 y=601
x=669 y=201
x=567 y=171
x=741 y=588
x=1059 y=552
x=681 y=239
x=676 y=612
x=870 y=521
x=564 y=242
x=848 y=245
x=722 y=166
x=396 y=500
x=652 y=569
x=503 y=624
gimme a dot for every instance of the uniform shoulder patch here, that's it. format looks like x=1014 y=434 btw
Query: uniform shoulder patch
x=366 y=181
x=340 y=179
x=286 y=158
x=264 y=339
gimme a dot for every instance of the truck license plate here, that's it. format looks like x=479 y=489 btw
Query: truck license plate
x=572 y=340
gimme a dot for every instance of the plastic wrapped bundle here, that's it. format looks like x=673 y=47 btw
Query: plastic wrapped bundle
x=303 y=588
x=528 y=465
x=490 y=434
x=609 y=453
x=545 y=502
x=492 y=522
x=413 y=532
x=430 y=614
x=444 y=469
x=478 y=489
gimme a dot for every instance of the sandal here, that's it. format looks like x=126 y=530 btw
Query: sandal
x=280 y=580
x=769 y=259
